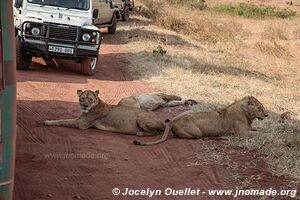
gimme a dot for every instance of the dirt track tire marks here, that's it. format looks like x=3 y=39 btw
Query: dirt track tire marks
x=22 y=107
x=19 y=191
x=164 y=156
x=36 y=136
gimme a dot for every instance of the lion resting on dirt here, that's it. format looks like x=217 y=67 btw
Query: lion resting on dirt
x=155 y=101
x=236 y=118
x=121 y=119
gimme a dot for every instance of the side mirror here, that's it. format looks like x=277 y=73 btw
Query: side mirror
x=18 y=3
x=108 y=1
x=95 y=13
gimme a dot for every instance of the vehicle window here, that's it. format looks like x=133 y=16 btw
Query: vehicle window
x=71 y=4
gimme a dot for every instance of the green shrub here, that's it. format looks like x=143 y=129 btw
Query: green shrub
x=159 y=51
x=198 y=4
x=254 y=11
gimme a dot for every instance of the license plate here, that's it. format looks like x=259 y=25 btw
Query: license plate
x=57 y=49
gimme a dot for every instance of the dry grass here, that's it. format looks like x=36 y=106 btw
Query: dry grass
x=273 y=49
x=280 y=142
x=275 y=33
x=219 y=58
x=204 y=27
x=149 y=9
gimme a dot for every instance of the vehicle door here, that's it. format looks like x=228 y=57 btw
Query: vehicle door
x=105 y=11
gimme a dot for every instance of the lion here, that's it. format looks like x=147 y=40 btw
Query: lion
x=235 y=118
x=120 y=119
x=155 y=101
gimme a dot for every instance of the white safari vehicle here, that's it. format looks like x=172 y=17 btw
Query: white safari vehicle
x=57 y=29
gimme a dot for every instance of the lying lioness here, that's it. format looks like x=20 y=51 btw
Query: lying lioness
x=236 y=118
x=122 y=119
x=154 y=101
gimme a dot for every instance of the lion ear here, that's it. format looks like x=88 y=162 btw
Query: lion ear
x=79 y=92
x=251 y=100
x=96 y=92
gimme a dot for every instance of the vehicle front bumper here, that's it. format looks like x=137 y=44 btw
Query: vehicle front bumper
x=39 y=45
x=40 y=48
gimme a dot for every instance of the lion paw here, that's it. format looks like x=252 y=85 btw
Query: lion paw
x=190 y=102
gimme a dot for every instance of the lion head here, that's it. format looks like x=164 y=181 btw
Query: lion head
x=88 y=99
x=255 y=109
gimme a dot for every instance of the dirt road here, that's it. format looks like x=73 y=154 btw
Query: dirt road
x=63 y=164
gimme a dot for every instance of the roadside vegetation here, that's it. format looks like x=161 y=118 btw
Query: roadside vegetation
x=198 y=4
x=254 y=11
x=216 y=58
x=279 y=142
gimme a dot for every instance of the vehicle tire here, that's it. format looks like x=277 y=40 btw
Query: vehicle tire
x=125 y=15
x=112 y=29
x=131 y=6
x=89 y=65
x=23 y=60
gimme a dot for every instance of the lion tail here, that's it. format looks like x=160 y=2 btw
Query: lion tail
x=161 y=140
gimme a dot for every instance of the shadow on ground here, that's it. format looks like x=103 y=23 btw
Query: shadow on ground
x=134 y=34
x=113 y=65
x=196 y=66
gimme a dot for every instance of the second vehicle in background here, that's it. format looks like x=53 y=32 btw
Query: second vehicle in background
x=108 y=15
x=124 y=7
x=110 y=11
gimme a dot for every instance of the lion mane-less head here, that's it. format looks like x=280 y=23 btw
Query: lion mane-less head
x=255 y=109
x=88 y=99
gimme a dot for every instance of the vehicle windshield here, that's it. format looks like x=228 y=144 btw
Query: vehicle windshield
x=70 y=4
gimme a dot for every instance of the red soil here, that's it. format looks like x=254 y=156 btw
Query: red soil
x=48 y=92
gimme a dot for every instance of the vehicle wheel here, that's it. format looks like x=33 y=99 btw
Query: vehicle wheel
x=23 y=60
x=89 y=65
x=112 y=29
x=132 y=6
x=125 y=15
